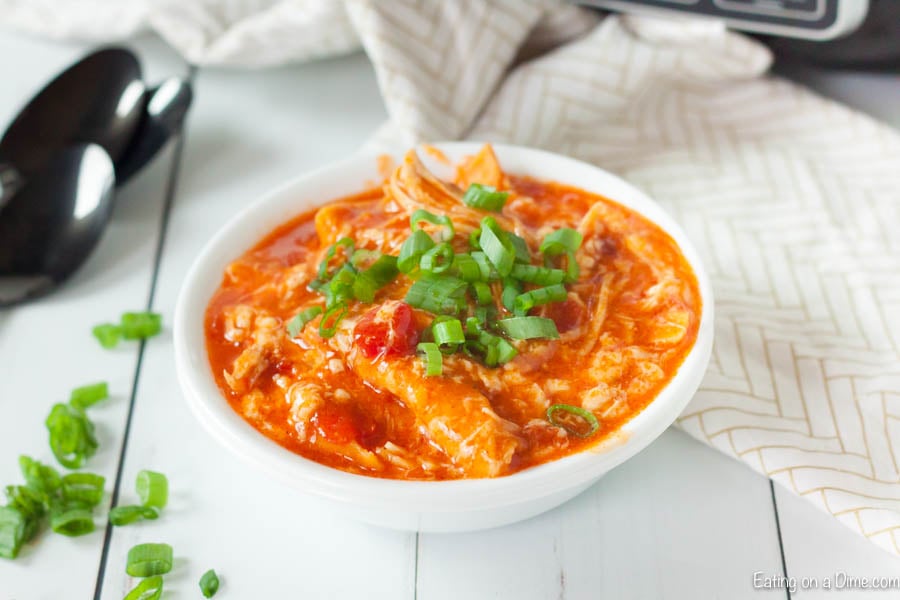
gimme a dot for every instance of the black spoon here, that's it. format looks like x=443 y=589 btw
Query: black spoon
x=50 y=226
x=166 y=106
x=100 y=99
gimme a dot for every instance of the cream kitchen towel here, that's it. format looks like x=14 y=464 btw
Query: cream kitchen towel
x=793 y=200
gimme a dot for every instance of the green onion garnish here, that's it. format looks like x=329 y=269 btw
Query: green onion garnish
x=412 y=250
x=448 y=332
x=523 y=254
x=382 y=271
x=538 y=297
x=88 y=395
x=537 y=275
x=83 y=488
x=364 y=288
x=146 y=560
x=140 y=325
x=13 y=525
x=482 y=293
x=438 y=295
x=434 y=360
x=71 y=519
x=528 y=328
x=345 y=243
x=484 y=266
x=126 y=515
x=295 y=326
x=572 y=269
x=497 y=246
x=465 y=267
x=148 y=589
x=43 y=478
x=560 y=241
x=585 y=415
x=71 y=435
x=330 y=320
x=107 y=334
x=485 y=197
x=209 y=584
x=447 y=229
x=437 y=260
x=152 y=488
x=511 y=290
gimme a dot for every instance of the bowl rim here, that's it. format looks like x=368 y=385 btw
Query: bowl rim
x=453 y=496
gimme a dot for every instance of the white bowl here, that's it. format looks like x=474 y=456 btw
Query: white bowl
x=422 y=505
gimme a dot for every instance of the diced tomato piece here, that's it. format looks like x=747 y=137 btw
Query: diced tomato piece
x=335 y=423
x=387 y=330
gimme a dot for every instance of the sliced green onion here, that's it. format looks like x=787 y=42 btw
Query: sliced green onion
x=88 y=395
x=126 y=515
x=538 y=297
x=43 y=478
x=85 y=488
x=560 y=241
x=107 y=334
x=345 y=243
x=473 y=239
x=71 y=435
x=465 y=267
x=485 y=197
x=295 y=326
x=437 y=260
x=412 y=250
x=330 y=320
x=146 y=560
x=528 y=328
x=152 y=488
x=485 y=313
x=362 y=257
x=537 y=275
x=72 y=519
x=13 y=526
x=585 y=415
x=434 y=360
x=140 y=325
x=209 y=584
x=339 y=290
x=382 y=271
x=505 y=352
x=150 y=588
x=364 y=289
x=482 y=292
x=438 y=295
x=496 y=246
x=448 y=332
x=511 y=291
x=28 y=501
x=523 y=254
x=447 y=229
x=484 y=265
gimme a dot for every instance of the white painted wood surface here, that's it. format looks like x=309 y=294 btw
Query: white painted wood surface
x=678 y=521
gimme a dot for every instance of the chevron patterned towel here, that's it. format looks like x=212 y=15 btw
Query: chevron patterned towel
x=791 y=199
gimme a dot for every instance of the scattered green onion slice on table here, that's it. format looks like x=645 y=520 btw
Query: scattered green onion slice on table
x=528 y=328
x=72 y=437
x=295 y=326
x=152 y=488
x=126 y=515
x=86 y=488
x=209 y=584
x=71 y=519
x=107 y=334
x=88 y=395
x=434 y=360
x=140 y=325
x=146 y=560
x=13 y=525
x=38 y=476
x=585 y=415
x=485 y=197
x=148 y=589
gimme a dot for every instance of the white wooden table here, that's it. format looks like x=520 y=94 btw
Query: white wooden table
x=680 y=520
